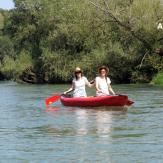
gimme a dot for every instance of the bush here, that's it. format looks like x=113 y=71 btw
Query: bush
x=158 y=79
x=13 y=68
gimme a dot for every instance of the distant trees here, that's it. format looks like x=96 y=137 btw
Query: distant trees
x=42 y=41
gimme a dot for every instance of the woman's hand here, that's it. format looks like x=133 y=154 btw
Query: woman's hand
x=92 y=81
x=99 y=91
x=68 y=91
x=65 y=92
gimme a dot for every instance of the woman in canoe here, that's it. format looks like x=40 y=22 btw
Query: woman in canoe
x=103 y=82
x=78 y=84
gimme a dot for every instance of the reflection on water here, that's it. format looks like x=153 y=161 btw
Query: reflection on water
x=52 y=108
x=100 y=117
x=82 y=121
x=104 y=122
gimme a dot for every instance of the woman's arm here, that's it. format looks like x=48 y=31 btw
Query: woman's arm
x=89 y=84
x=111 y=90
x=97 y=87
x=70 y=89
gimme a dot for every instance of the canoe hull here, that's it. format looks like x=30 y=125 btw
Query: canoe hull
x=119 y=100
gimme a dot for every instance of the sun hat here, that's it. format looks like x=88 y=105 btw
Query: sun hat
x=78 y=69
x=105 y=68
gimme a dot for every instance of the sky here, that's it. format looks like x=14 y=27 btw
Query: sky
x=6 y=4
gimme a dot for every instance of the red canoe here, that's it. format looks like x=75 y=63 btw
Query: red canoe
x=118 y=100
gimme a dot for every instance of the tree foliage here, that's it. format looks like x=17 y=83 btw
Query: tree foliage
x=49 y=38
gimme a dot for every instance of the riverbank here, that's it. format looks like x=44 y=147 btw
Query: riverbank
x=157 y=80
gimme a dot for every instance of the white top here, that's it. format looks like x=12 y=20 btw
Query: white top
x=103 y=84
x=79 y=87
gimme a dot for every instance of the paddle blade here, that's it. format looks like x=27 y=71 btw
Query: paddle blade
x=52 y=99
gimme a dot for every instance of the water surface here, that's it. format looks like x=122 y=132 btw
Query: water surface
x=30 y=132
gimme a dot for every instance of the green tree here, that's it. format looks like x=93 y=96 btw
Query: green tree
x=56 y=36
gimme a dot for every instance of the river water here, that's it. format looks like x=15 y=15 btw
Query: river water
x=30 y=132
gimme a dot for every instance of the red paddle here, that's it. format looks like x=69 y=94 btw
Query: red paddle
x=52 y=99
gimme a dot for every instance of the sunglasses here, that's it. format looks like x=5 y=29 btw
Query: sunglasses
x=78 y=72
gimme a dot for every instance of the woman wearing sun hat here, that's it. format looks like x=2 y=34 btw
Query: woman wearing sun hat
x=78 y=84
x=103 y=82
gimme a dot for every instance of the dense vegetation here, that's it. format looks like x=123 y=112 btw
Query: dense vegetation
x=43 y=41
